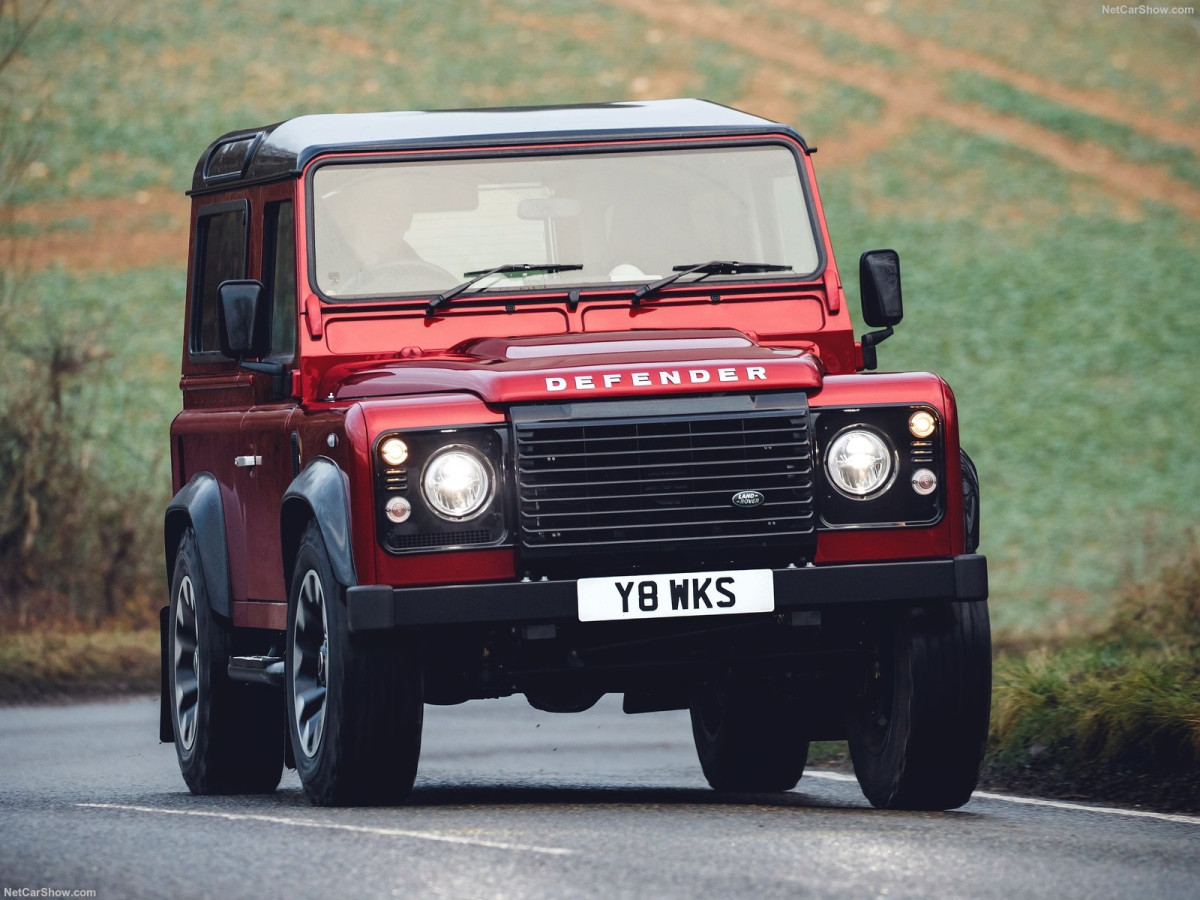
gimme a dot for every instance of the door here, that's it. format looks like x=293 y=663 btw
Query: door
x=216 y=393
x=266 y=452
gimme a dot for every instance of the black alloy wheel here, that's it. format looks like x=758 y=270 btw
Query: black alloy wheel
x=354 y=702
x=228 y=735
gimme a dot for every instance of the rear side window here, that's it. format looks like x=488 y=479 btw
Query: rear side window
x=279 y=270
x=220 y=256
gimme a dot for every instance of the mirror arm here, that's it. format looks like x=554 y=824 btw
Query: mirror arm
x=869 y=342
x=277 y=371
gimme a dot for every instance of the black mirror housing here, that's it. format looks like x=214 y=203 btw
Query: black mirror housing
x=241 y=319
x=879 y=282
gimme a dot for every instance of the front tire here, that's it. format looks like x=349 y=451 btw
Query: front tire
x=354 y=704
x=749 y=740
x=228 y=736
x=918 y=732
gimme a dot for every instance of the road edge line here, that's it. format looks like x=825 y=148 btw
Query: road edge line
x=1037 y=801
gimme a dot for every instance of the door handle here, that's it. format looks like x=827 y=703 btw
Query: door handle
x=245 y=462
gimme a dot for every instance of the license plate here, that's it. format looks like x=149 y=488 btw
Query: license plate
x=681 y=594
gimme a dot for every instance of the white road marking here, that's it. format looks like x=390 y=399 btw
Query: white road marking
x=1055 y=804
x=333 y=826
x=562 y=851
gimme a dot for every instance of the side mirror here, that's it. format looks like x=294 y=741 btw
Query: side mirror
x=241 y=319
x=879 y=282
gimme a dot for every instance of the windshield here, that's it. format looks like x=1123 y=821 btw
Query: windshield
x=382 y=229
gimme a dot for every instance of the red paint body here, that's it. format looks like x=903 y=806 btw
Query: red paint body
x=367 y=368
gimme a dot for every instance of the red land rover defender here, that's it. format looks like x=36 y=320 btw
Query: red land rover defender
x=556 y=401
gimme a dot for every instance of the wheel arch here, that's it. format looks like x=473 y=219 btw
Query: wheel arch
x=198 y=506
x=320 y=493
x=971 y=515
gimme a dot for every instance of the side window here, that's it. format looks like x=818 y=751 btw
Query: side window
x=220 y=256
x=279 y=277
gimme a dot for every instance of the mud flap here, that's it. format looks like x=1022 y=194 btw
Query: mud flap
x=166 y=730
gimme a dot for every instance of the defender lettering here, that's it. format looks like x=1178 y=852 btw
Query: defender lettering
x=611 y=380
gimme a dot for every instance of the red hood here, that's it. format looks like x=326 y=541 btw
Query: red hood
x=585 y=366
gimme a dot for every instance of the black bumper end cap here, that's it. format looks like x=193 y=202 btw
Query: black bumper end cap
x=371 y=607
x=971 y=577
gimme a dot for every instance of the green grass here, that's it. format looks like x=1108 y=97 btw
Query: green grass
x=826 y=110
x=110 y=127
x=1125 y=141
x=1063 y=316
x=1097 y=702
x=1113 y=706
x=830 y=42
x=1147 y=62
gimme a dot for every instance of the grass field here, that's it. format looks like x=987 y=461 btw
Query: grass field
x=1037 y=166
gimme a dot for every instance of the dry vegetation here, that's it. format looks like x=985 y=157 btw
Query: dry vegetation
x=71 y=536
x=1116 y=713
x=48 y=666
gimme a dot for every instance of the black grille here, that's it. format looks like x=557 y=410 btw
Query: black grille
x=664 y=482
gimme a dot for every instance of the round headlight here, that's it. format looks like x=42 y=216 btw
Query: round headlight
x=457 y=483
x=394 y=451
x=859 y=462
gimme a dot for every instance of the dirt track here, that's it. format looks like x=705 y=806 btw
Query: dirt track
x=912 y=98
x=153 y=230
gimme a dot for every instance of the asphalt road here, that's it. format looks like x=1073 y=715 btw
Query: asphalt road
x=511 y=802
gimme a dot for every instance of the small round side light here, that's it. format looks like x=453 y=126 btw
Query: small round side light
x=398 y=510
x=394 y=451
x=924 y=482
x=922 y=424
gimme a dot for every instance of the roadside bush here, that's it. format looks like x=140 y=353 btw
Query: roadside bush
x=36 y=667
x=73 y=537
x=1115 y=705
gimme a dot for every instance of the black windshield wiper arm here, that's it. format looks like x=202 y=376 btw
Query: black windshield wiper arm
x=474 y=278
x=714 y=267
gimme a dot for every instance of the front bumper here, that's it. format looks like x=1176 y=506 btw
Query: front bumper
x=376 y=607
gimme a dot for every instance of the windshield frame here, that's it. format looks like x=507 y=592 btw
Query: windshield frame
x=586 y=289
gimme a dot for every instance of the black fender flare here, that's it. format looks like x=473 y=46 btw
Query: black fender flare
x=320 y=492
x=198 y=504
x=970 y=485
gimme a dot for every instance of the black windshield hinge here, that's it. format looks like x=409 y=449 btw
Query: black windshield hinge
x=869 y=341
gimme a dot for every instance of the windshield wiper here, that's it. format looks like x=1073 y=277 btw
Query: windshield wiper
x=474 y=278
x=714 y=267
